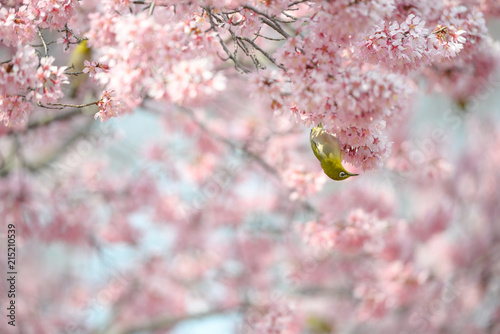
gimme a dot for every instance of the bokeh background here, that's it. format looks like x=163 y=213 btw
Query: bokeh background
x=206 y=219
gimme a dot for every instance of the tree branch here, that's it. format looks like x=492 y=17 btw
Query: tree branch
x=9 y=161
x=268 y=20
x=231 y=56
x=161 y=322
x=47 y=160
x=49 y=119
x=232 y=145
x=257 y=158
x=268 y=56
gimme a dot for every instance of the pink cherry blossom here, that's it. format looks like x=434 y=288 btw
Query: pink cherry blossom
x=50 y=78
x=109 y=107
x=92 y=68
x=25 y=80
x=51 y=14
x=201 y=203
x=302 y=183
x=14 y=111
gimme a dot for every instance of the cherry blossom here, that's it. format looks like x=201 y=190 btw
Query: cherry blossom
x=109 y=107
x=404 y=46
x=15 y=111
x=23 y=81
x=92 y=68
x=179 y=188
x=51 y=14
x=16 y=25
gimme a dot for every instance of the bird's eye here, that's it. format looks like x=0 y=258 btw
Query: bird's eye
x=342 y=174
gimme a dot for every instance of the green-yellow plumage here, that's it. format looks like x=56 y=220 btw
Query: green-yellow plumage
x=81 y=53
x=316 y=325
x=326 y=148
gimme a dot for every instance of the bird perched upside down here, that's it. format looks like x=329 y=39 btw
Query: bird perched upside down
x=326 y=148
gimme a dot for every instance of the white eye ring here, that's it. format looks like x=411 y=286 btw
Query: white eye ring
x=342 y=174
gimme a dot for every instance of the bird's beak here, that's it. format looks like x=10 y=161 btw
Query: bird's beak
x=351 y=174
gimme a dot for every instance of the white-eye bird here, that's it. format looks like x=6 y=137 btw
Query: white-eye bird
x=326 y=148
x=81 y=53
x=317 y=325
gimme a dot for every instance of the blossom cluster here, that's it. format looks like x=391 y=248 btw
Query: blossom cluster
x=150 y=57
x=354 y=234
x=50 y=78
x=19 y=24
x=408 y=46
x=53 y=14
x=354 y=102
x=302 y=183
x=472 y=69
x=109 y=107
x=24 y=82
x=16 y=26
x=348 y=19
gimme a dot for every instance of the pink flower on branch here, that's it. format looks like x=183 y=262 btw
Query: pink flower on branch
x=169 y=61
x=446 y=42
x=343 y=20
x=52 y=14
x=92 y=68
x=50 y=78
x=408 y=46
x=16 y=26
x=14 y=111
x=109 y=107
x=356 y=232
x=26 y=80
x=20 y=74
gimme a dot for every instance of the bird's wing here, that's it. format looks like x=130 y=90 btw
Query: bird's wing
x=327 y=145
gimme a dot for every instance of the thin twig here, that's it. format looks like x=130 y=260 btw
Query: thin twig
x=242 y=46
x=297 y=2
x=268 y=56
x=67 y=29
x=270 y=21
x=70 y=33
x=231 y=56
x=289 y=16
x=63 y=105
x=43 y=41
x=239 y=41
x=74 y=73
x=40 y=45
x=271 y=39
